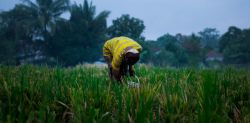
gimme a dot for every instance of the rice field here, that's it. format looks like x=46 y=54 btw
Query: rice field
x=86 y=94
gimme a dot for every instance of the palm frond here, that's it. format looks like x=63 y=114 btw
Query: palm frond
x=30 y=4
x=60 y=5
x=102 y=16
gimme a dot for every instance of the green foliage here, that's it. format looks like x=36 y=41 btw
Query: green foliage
x=164 y=58
x=127 y=26
x=34 y=32
x=81 y=38
x=192 y=46
x=85 y=94
x=174 y=46
x=176 y=51
x=167 y=50
x=234 y=45
x=210 y=38
x=16 y=32
x=47 y=13
x=7 y=52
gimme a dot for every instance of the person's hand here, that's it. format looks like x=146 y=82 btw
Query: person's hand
x=108 y=60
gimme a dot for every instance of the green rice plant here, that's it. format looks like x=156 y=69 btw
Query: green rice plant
x=86 y=94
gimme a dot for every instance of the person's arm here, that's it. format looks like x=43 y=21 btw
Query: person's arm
x=131 y=70
x=116 y=66
x=108 y=61
x=116 y=74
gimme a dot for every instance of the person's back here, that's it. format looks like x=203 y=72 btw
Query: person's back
x=119 y=53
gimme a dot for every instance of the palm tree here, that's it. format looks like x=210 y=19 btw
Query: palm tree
x=48 y=12
x=86 y=14
x=92 y=29
x=80 y=39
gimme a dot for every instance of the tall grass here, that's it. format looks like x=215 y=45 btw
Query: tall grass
x=85 y=94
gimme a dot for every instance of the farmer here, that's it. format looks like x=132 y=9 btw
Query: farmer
x=121 y=53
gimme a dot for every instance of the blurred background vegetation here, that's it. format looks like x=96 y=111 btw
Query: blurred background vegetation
x=36 y=33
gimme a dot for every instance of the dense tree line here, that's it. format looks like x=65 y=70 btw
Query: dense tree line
x=35 y=32
x=206 y=49
x=235 y=46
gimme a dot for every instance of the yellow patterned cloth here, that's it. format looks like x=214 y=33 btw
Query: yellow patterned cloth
x=115 y=49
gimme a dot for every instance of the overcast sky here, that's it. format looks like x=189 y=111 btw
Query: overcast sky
x=173 y=16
